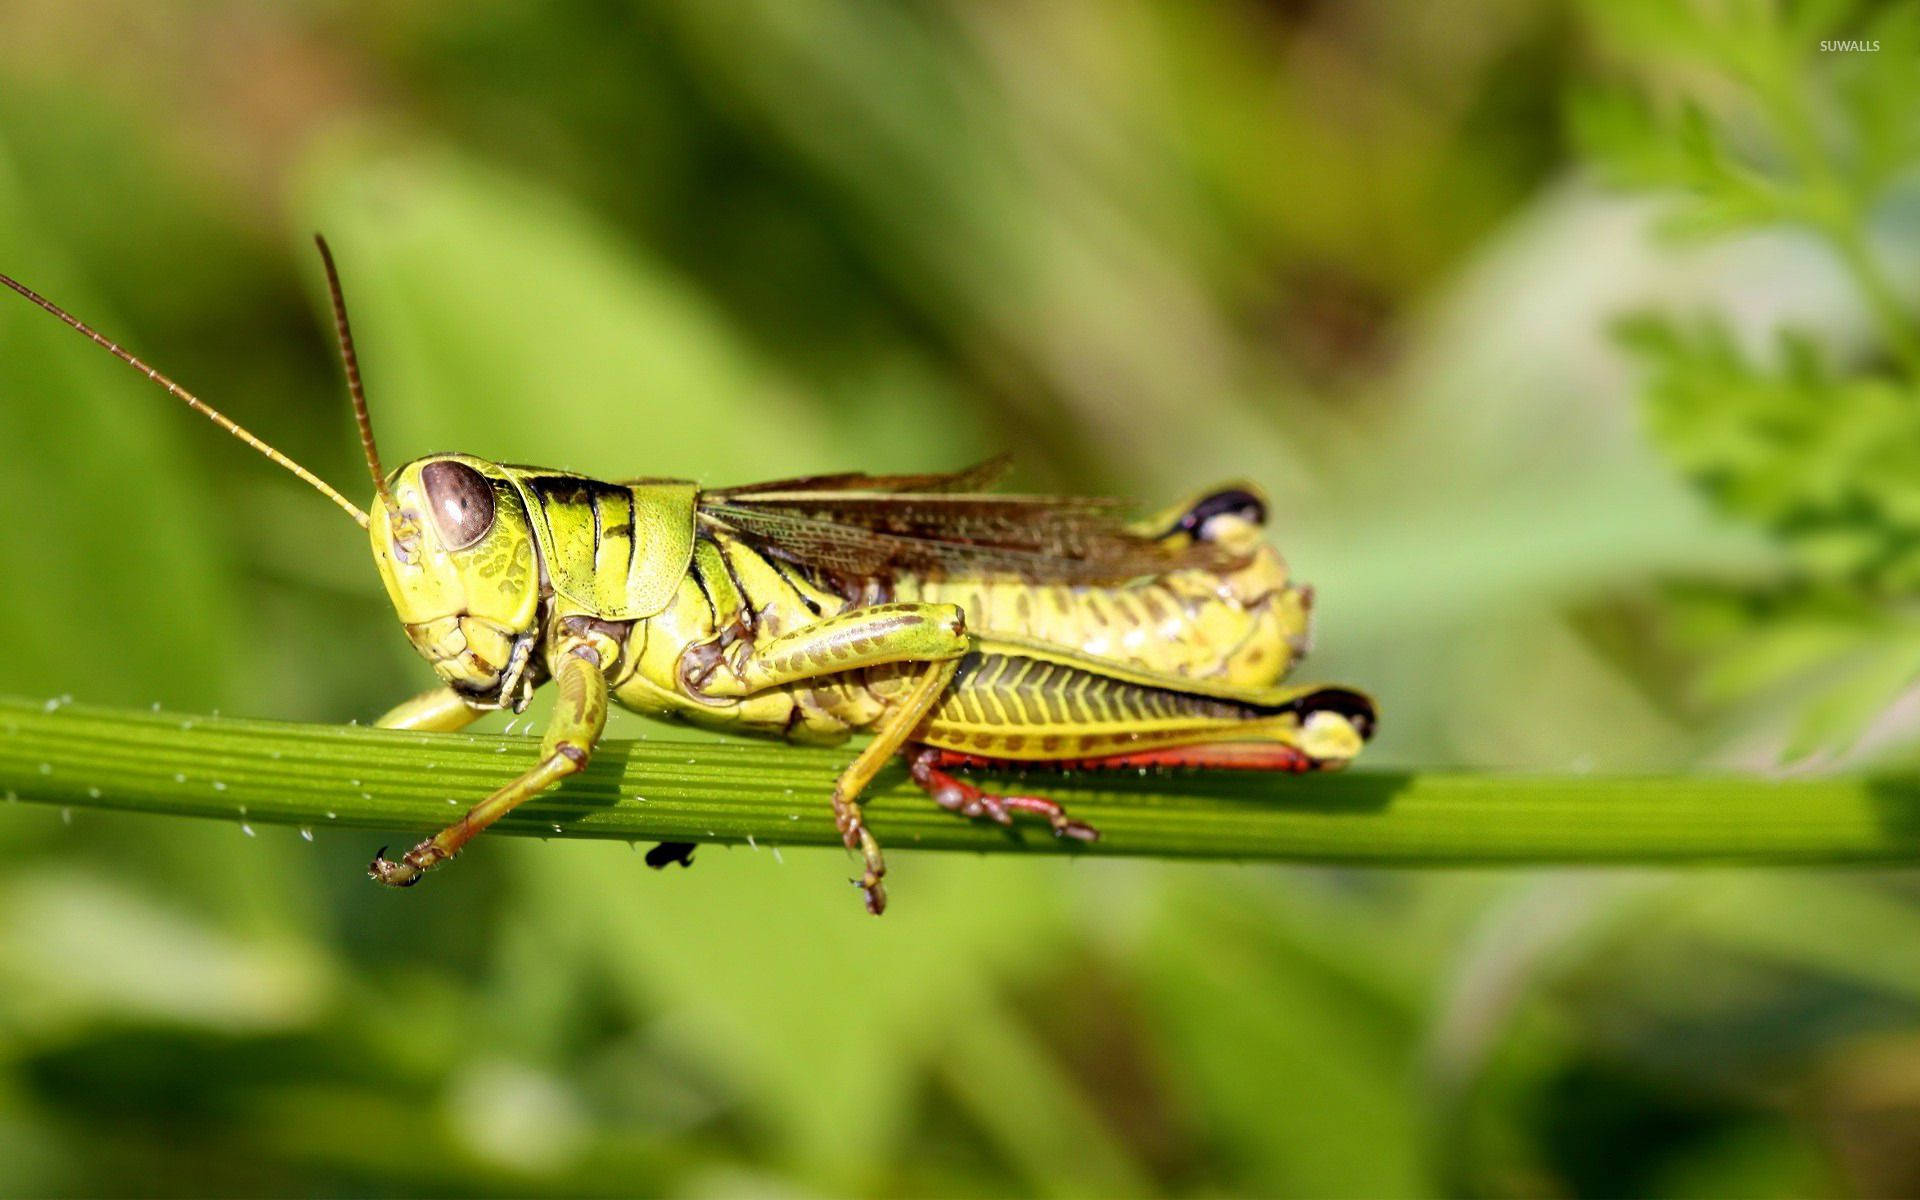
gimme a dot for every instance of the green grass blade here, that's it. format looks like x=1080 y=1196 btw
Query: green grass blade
x=324 y=775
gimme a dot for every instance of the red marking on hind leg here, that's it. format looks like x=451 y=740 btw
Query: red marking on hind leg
x=963 y=798
x=1223 y=756
x=1219 y=756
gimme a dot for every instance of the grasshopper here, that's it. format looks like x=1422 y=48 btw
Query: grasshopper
x=959 y=627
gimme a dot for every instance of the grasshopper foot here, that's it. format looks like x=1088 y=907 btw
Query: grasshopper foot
x=963 y=798
x=394 y=874
x=872 y=890
x=407 y=871
x=854 y=832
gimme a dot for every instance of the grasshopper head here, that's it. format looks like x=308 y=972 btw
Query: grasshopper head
x=455 y=548
x=450 y=533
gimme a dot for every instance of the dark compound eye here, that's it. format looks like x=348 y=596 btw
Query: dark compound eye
x=461 y=500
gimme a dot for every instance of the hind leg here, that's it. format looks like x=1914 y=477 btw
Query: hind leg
x=958 y=796
x=929 y=765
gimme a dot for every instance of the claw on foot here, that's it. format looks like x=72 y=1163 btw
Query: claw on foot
x=394 y=874
x=872 y=891
x=853 y=831
x=406 y=871
x=958 y=796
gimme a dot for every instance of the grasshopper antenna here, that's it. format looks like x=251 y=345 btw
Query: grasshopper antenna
x=344 y=333
x=192 y=401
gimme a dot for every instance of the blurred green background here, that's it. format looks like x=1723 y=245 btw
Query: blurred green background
x=1574 y=344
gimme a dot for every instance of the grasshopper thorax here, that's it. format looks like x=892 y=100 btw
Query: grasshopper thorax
x=456 y=550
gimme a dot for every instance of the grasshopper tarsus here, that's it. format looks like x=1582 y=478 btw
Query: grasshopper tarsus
x=401 y=873
x=872 y=891
x=1075 y=831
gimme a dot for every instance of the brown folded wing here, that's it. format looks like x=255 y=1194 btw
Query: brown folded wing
x=881 y=525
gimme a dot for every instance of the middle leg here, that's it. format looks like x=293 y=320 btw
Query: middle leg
x=930 y=637
x=888 y=738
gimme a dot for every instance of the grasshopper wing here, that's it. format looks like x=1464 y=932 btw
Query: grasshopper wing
x=976 y=478
x=866 y=526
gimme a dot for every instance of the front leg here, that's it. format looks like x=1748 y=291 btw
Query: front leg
x=441 y=710
x=579 y=715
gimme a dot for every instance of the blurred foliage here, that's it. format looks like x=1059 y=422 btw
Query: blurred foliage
x=1759 y=128
x=1346 y=250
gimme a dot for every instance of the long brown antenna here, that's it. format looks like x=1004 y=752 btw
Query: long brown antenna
x=344 y=333
x=194 y=402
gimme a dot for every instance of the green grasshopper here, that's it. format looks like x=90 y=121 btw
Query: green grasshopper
x=960 y=627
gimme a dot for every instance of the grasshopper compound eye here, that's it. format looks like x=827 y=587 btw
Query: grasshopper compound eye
x=461 y=500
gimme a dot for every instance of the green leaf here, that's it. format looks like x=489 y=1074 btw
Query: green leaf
x=1753 y=640
x=1829 y=465
x=1868 y=683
